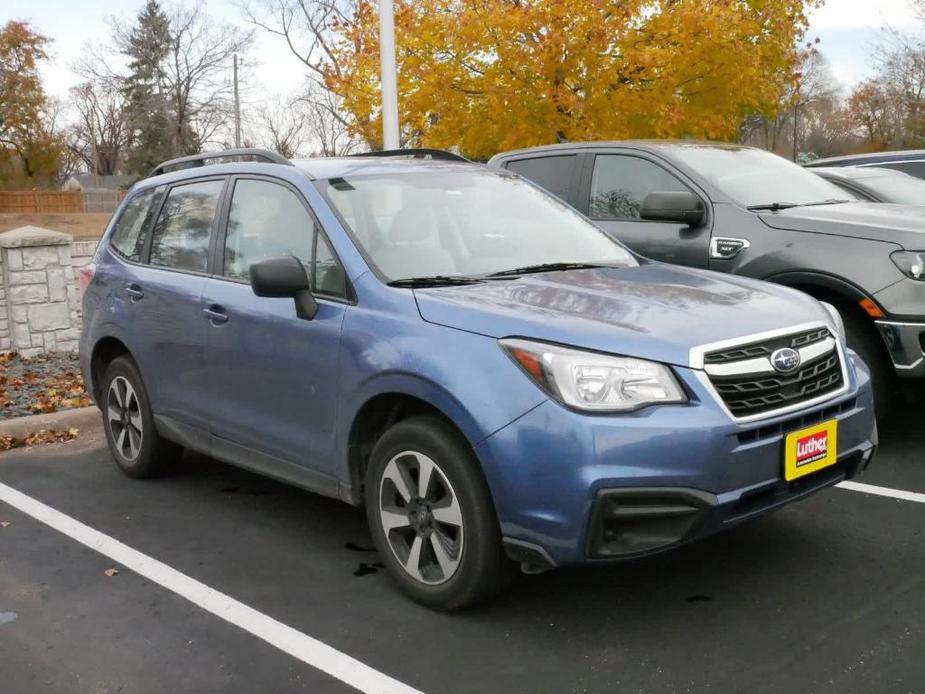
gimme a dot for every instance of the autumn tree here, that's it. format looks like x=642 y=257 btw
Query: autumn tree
x=177 y=81
x=887 y=111
x=809 y=117
x=282 y=125
x=487 y=75
x=310 y=30
x=146 y=45
x=30 y=151
x=100 y=134
x=329 y=131
x=900 y=61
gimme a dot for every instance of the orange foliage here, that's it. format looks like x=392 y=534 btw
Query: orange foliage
x=489 y=75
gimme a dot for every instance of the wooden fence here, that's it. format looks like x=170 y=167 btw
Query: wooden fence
x=28 y=201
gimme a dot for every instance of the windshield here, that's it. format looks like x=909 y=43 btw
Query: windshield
x=464 y=222
x=896 y=186
x=753 y=177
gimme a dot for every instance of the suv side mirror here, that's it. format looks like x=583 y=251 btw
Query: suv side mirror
x=285 y=277
x=685 y=208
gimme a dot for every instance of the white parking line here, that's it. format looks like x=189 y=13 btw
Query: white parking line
x=883 y=491
x=310 y=651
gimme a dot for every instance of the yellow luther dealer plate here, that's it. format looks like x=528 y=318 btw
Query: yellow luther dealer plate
x=810 y=449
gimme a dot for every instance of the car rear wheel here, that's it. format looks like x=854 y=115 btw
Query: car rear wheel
x=431 y=516
x=137 y=448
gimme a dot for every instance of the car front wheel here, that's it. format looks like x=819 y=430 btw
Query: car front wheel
x=864 y=339
x=431 y=516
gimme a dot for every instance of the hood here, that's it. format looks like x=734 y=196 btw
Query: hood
x=653 y=311
x=899 y=224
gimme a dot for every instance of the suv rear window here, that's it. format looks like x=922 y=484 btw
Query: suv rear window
x=127 y=239
x=181 y=235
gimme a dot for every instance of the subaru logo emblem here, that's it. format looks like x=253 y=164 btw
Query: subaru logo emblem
x=785 y=360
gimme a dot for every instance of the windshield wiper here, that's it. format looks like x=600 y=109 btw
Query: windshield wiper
x=830 y=201
x=434 y=281
x=772 y=206
x=775 y=206
x=546 y=267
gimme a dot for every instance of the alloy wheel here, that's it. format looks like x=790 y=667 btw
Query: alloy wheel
x=421 y=517
x=123 y=411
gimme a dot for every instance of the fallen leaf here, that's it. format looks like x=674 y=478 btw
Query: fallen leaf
x=48 y=436
x=111 y=572
x=4 y=524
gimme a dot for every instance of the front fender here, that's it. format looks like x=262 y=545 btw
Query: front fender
x=465 y=376
x=414 y=385
x=823 y=280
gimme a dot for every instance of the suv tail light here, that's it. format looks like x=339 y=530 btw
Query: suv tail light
x=85 y=275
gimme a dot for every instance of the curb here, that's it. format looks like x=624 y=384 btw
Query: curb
x=81 y=417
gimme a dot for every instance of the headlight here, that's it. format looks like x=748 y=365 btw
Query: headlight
x=595 y=382
x=837 y=322
x=910 y=263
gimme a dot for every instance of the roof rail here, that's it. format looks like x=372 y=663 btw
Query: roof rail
x=419 y=153
x=200 y=159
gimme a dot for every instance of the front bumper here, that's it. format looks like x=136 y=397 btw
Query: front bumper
x=572 y=488
x=634 y=522
x=906 y=344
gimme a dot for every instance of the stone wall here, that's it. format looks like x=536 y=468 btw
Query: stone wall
x=82 y=252
x=39 y=294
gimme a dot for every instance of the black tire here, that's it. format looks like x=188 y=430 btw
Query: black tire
x=482 y=569
x=140 y=452
x=864 y=339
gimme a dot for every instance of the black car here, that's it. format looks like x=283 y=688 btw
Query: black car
x=746 y=211
x=910 y=161
x=875 y=183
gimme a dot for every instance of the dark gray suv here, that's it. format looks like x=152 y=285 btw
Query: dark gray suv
x=746 y=211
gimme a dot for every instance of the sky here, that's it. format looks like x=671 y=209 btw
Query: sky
x=847 y=29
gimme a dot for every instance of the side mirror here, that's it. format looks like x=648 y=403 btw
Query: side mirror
x=685 y=208
x=285 y=277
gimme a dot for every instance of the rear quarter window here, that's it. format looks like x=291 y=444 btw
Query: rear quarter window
x=128 y=239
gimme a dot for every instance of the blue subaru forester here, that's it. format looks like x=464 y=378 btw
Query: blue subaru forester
x=492 y=377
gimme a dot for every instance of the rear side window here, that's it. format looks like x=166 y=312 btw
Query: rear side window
x=180 y=238
x=555 y=174
x=620 y=183
x=127 y=239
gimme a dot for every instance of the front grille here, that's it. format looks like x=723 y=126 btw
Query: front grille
x=748 y=394
x=798 y=422
x=754 y=350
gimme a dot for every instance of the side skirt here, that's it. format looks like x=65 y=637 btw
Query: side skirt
x=235 y=454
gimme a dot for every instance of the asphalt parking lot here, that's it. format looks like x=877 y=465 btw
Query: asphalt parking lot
x=827 y=595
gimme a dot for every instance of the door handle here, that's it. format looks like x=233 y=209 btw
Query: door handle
x=216 y=313
x=134 y=291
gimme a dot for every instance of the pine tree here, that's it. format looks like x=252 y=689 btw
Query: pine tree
x=147 y=45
